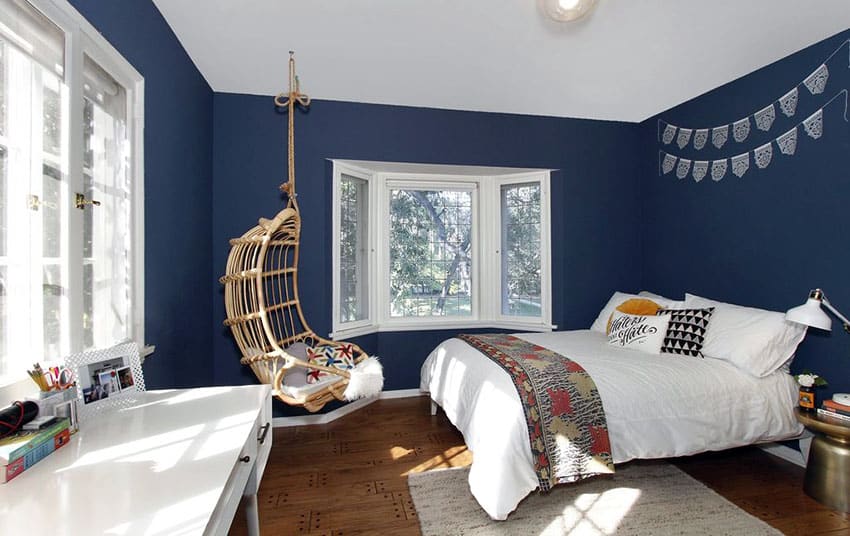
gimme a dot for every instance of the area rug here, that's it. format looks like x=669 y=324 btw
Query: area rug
x=640 y=498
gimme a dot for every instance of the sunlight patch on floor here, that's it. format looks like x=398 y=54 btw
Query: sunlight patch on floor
x=594 y=513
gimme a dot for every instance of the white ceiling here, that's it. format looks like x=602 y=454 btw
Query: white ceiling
x=629 y=60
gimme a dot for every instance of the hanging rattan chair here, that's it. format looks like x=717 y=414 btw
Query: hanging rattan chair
x=264 y=310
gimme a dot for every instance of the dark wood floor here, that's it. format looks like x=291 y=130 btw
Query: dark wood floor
x=349 y=477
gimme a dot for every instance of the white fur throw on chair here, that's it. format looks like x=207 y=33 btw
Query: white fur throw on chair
x=367 y=379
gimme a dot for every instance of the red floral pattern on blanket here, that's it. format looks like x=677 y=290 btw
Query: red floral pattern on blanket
x=566 y=423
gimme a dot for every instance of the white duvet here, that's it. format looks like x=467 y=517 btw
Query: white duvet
x=657 y=406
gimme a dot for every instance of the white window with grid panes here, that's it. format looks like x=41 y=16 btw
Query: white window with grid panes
x=70 y=188
x=439 y=248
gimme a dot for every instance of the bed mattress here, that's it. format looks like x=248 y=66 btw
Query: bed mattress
x=657 y=406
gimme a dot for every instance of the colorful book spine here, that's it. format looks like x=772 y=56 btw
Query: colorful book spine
x=16 y=446
x=35 y=455
x=833 y=415
x=832 y=405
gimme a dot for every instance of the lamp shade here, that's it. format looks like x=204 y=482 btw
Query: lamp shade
x=810 y=314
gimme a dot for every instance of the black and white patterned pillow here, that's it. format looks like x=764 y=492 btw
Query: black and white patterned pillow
x=686 y=331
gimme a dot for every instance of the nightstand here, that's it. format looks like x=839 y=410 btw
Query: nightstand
x=828 y=469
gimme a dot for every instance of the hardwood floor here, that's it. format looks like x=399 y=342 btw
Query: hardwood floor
x=349 y=477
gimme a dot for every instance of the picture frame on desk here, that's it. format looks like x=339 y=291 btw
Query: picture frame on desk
x=107 y=379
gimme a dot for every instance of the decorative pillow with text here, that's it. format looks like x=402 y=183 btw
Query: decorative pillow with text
x=638 y=332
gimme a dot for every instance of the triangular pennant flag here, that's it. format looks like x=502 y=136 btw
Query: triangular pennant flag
x=788 y=142
x=765 y=117
x=669 y=163
x=718 y=169
x=741 y=129
x=814 y=124
x=669 y=133
x=816 y=82
x=700 y=138
x=684 y=137
x=788 y=103
x=700 y=169
x=763 y=155
x=719 y=136
x=740 y=164
x=683 y=168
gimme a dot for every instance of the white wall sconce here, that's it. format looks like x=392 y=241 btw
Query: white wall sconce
x=567 y=10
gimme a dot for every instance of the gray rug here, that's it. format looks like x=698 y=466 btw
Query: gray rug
x=641 y=498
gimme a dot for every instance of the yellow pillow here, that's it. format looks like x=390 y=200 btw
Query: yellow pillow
x=635 y=306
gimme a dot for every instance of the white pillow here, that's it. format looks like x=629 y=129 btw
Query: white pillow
x=755 y=340
x=638 y=332
x=601 y=322
x=658 y=298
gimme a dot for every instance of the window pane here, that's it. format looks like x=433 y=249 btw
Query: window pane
x=33 y=189
x=430 y=253
x=353 y=255
x=521 y=264
x=106 y=227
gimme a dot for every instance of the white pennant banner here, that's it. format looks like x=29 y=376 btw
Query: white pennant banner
x=669 y=133
x=700 y=138
x=814 y=124
x=669 y=163
x=740 y=164
x=788 y=102
x=719 y=136
x=765 y=118
x=741 y=129
x=700 y=169
x=788 y=142
x=718 y=169
x=816 y=83
x=683 y=168
x=763 y=155
x=684 y=137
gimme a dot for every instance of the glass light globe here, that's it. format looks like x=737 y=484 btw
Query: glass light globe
x=567 y=10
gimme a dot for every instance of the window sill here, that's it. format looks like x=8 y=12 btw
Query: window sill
x=342 y=334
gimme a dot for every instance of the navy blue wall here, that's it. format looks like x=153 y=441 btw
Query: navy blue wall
x=767 y=238
x=178 y=189
x=595 y=208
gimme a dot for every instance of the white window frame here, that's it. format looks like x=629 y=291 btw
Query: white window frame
x=364 y=325
x=501 y=319
x=485 y=244
x=81 y=38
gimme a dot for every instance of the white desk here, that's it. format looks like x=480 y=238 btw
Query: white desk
x=174 y=463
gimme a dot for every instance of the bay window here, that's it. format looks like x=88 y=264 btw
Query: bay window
x=439 y=247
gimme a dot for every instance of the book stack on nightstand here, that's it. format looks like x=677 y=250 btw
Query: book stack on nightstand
x=836 y=410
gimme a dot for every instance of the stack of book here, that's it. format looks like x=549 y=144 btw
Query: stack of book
x=833 y=409
x=24 y=449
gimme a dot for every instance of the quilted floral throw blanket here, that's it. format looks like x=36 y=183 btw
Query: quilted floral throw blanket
x=566 y=423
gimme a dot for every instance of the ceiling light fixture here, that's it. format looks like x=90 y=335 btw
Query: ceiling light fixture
x=567 y=10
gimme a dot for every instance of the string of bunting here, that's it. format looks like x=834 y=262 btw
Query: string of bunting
x=762 y=155
x=763 y=119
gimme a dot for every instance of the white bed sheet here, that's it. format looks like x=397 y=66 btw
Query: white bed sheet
x=657 y=406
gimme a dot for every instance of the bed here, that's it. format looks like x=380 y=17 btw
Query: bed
x=657 y=406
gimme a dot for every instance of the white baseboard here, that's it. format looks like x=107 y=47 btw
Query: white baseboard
x=401 y=393
x=325 y=418
x=786 y=453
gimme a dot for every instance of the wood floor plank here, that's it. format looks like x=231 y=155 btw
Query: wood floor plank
x=349 y=477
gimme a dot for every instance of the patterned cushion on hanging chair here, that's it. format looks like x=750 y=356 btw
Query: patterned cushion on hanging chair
x=338 y=356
